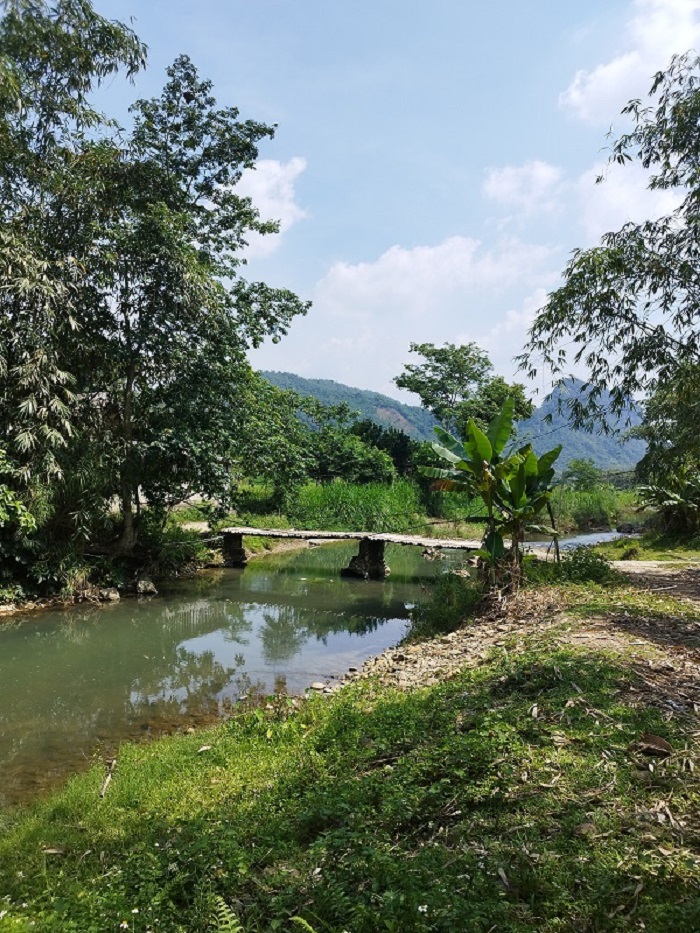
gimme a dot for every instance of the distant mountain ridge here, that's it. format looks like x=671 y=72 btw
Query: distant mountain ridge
x=607 y=451
x=388 y=412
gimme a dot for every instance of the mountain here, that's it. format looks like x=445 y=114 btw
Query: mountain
x=388 y=412
x=608 y=452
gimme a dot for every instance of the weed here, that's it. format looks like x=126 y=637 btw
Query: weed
x=580 y=565
x=451 y=600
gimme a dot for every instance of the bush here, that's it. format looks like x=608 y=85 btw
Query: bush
x=585 y=508
x=453 y=599
x=581 y=565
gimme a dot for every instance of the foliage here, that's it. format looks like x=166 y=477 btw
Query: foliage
x=510 y=792
x=398 y=445
x=677 y=503
x=344 y=506
x=451 y=600
x=456 y=385
x=579 y=565
x=629 y=306
x=124 y=321
x=582 y=475
x=515 y=488
x=337 y=452
x=598 y=508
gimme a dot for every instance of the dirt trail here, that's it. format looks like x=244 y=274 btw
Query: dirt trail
x=674 y=577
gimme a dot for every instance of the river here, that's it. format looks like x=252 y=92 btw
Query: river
x=76 y=682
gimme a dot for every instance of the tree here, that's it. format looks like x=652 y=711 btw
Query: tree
x=124 y=321
x=582 y=474
x=630 y=306
x=515 y=488
x=166 y=316
x=455 y=384
x=51 y=57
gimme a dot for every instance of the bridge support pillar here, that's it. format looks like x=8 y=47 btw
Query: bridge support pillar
x=369 y=563
x=233 y=550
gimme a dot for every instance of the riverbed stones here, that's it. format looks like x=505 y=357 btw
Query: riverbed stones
x=146 y=587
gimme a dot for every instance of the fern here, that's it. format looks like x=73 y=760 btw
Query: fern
x=226 y=919
x=302 y=924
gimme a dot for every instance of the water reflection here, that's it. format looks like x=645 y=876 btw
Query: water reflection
x=77 y=682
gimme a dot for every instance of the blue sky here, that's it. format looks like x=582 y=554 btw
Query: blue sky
x=433 y=165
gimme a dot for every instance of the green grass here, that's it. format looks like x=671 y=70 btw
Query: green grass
x=345 y=506
x=506 y=799
x=598 y=508
x=652 y=546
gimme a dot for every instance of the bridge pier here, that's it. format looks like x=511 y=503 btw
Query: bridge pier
x=232 y=549
x=368 y=563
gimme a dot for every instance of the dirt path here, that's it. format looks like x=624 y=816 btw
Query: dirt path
x=676 y=578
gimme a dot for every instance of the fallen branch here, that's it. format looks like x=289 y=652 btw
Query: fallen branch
x=110 y=772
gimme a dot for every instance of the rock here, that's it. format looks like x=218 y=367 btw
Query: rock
x=317 y=685
x=110 y=594
x=146 y=587
x=625 y=528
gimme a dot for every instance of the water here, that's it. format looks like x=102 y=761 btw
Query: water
x=568 y=542
x=75 y=683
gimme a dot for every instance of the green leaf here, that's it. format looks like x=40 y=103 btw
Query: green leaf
x=494 y=546
x=501 y=427
x=479 y=442
x=451 y=443
x=546 y=460
x=446 y=454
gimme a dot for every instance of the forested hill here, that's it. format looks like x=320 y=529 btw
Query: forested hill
x=608 y=452
x=388 y=412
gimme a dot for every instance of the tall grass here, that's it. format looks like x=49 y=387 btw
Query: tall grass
x=596 y=508
x=341 y=506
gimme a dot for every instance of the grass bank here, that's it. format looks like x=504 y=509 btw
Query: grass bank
x=512 y=797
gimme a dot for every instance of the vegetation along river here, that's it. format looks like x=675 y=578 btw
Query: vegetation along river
x=76 y=682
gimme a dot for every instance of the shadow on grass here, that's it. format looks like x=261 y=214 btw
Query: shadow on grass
x=505 y=799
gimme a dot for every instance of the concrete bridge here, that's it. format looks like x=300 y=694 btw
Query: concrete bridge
x=368 y=563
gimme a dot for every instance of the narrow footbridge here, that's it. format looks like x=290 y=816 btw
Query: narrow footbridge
x=368 y=563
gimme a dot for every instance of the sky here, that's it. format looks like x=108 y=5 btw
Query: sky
x=433 y=165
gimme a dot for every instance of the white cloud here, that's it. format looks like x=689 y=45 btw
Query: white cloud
x=531 y=188
x=271 y=186
x=365 y=315
x=623 y=196
x=656 y=30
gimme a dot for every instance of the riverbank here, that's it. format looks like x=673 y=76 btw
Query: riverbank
x=514 y=774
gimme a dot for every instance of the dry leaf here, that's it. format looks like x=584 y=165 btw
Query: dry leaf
x=204 y=748
x=650 y=744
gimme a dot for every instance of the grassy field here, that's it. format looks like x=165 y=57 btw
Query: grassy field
x=512 y=797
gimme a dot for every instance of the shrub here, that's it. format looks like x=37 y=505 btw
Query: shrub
x=581 y=565
x=453 y=599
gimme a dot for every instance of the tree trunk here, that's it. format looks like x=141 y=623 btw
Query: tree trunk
x=127 y=539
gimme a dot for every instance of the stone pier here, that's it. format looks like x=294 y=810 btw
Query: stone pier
x=369 y=563
x=232 y=549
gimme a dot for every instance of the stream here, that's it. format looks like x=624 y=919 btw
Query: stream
x=76 y=682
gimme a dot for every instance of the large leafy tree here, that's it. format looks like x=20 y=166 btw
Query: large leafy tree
x=456 y=384
x=52 y=55
x=125 y=320
x=629 y=308
x=165 y=317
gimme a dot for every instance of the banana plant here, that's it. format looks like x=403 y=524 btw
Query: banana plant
x=515 y=488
